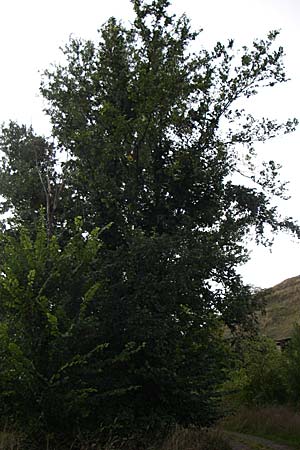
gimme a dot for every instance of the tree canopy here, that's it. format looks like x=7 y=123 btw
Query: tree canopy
x=124 y=287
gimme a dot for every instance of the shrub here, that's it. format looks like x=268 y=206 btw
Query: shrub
x=292 y=357
x=259 y=377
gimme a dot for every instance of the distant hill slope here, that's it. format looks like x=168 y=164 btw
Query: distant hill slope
x=282 y=309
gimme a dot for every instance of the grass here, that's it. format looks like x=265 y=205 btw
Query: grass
x=10 y=440
x=281 y=309
x=195 y=439
x=180 y=438
x=278 y=423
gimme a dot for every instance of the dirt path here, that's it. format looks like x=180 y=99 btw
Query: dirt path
x=240 y=441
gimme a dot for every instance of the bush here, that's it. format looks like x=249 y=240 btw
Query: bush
x=292 y=358
x=52 y=380
x=259 y=377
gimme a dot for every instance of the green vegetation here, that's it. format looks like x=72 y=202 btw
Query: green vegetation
x=118 y=267
x=261 y=396
x=264 y=375
x=259 y=377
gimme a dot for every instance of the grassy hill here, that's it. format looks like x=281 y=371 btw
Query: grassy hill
x=282 y=309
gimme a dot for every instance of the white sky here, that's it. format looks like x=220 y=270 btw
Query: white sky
x=31 y=32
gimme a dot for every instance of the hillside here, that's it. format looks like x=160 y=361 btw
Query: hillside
x=282 y=309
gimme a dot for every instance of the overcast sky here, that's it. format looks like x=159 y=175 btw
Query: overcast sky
x=31 y=32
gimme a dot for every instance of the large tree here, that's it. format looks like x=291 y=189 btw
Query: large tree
x=159 y=147
x=162 y=148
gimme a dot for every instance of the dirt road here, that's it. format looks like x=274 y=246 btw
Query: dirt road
x=240 y=441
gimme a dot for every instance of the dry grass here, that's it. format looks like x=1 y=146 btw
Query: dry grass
x=191 y=438
x=180 y=439
x=281 y=309
x=195 y=439
x=279 y=422
x=10 y=440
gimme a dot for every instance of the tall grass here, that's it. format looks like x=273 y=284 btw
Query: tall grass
x=277 y=422
x=9 y=440
x=180 y=438
x=195 y=439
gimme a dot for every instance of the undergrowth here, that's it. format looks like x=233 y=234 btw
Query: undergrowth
x=279 y=423
x=180 y=438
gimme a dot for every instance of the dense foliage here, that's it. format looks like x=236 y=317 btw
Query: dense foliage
x=113 y=306
x=264 y=373
x=259 y=376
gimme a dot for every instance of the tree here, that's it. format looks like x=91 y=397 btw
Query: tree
x=142 y=118
x=156 y=140
x=28 y=180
